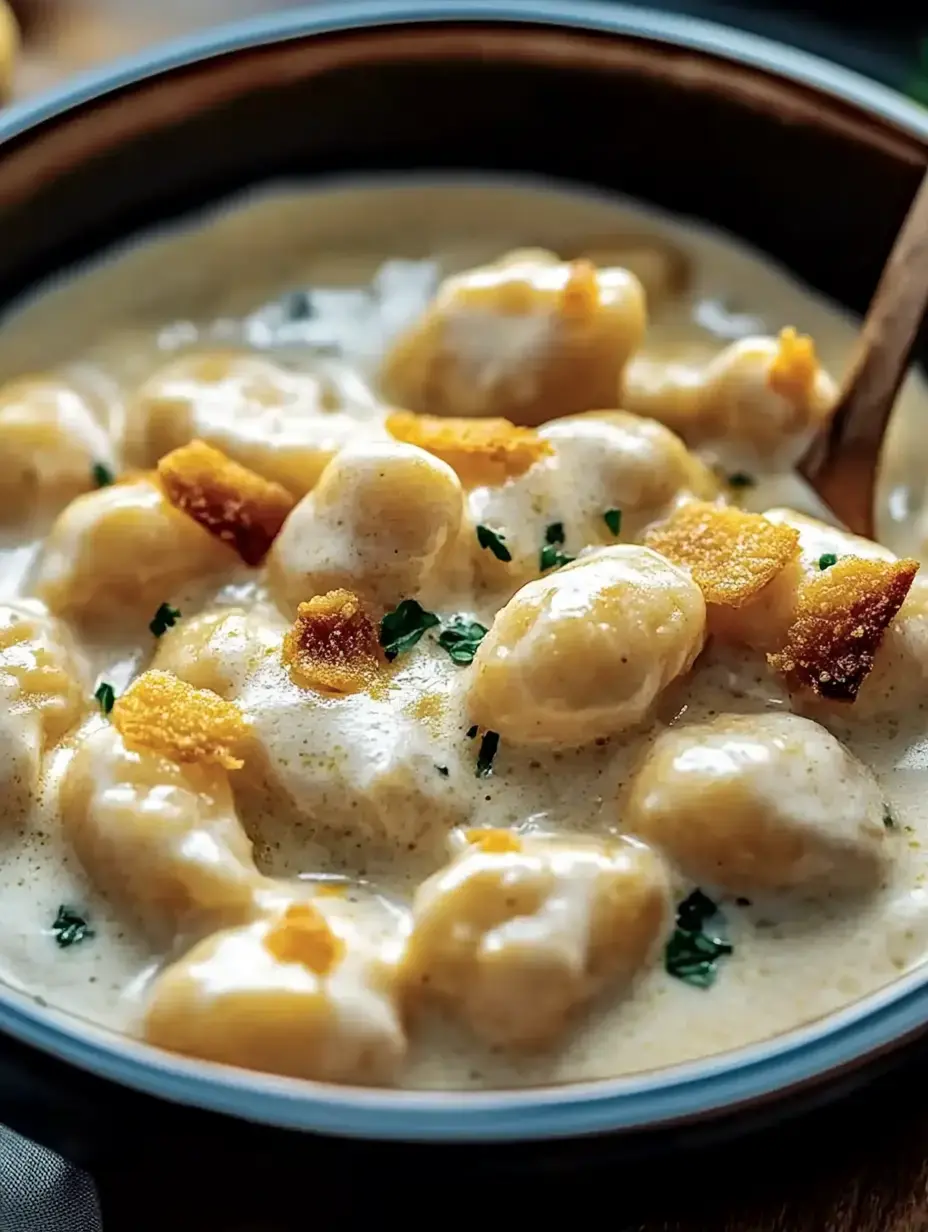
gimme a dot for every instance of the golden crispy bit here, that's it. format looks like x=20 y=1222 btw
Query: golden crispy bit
x=731 y=554
x=480 y=451
x=494 y=841
x=839 y=624
x=333 y=646
x=230 y=501
x=303 y=936
x=580 y=297
x=162 y=714
x=795 y=367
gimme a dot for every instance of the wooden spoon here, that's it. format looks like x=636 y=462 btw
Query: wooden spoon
x=842 y=462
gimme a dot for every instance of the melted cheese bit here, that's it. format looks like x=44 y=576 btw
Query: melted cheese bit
x=479 y=451
x=302 y=935
x=493 y=840
x=795 y=367
x=158 y=712
x=333 y=646
x=732 y=555
x=231 y=502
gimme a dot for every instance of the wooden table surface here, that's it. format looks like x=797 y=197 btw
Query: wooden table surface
x=859 y=1167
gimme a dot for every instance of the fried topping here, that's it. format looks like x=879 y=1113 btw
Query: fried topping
x=334 y=645
x=580 y=297
x=840 y=620
x=480 y=451
x=303 y=936
x=161 y=714
x=795 y=367
x=231 y=502
x=494 y=841
x=731 y=554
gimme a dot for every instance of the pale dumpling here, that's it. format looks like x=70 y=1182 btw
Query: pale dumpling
x=517 y=934
x=50 y=443
x=527 y=338
x=43 y=693
x=299 y=994
x=583 y=653
x=381 y=521
x=283 y=424
x=760 y=802
x=162 y=840
x=220 y=649
x=123 y=549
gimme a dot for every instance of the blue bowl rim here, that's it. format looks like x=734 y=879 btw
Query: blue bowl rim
x=678 y=1095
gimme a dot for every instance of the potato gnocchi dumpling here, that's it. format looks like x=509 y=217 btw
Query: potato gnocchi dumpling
x=758 y=396
x=123 y=549
x=299 y=994
x=525 y=338
x=381 y=521
x=515 y=936
x=42 y=695
x=50 y=442
x=584 y=653
x=162 y=840
x=283 y=424
x=219 y=649
x=764 y=802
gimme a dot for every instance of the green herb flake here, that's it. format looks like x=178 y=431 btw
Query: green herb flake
x=443 y=771
x=493 y=542
x=889 y=817
x=694 y=949
x=488 y=748
x=741 y=479
x=552 y=557
x=70 y=928
x=402 y=628
x=472 y=732
x=165 y=618
x=555 y=533
x=613 y=519
x=826 y=560
x=461 y=639
x=106 y=696
x=102 y=475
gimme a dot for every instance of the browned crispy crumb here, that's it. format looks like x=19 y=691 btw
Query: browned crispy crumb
x=580 y=297
x=230 y=501
x=333 y=646
x=479 y=451
x=494 y=841
x=731 y=554
x=161 y=714
x=839 y=624
x=795 y=366
x=303 y=936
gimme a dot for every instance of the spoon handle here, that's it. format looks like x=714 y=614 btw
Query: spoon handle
x=842 y=462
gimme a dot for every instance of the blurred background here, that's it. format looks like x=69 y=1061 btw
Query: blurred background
x=887 y=41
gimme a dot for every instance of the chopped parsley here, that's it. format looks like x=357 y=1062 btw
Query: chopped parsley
x=741 y=479
x=106 y=696
x=102 y=475
x=70 y=928
x=552 y=557
x=694 y=949
x=443 y=771
x=826 y=560
x=613 y=519
x=402 y=628
x=555 y=533
x=165 y=618
x=493 y=542
x=472 y=732
x=461 y=639
x=889 y=817
x=488 y=747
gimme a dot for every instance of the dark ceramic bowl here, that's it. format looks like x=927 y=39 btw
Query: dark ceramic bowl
x=805 y=161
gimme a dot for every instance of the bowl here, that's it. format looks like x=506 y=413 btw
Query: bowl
x=810 y=164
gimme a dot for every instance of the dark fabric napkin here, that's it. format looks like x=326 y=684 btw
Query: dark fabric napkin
x=41 y=1192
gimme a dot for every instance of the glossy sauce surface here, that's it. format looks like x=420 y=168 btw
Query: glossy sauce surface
x=353 y=799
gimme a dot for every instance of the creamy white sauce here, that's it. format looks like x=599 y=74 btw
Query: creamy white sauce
x=373 y=256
